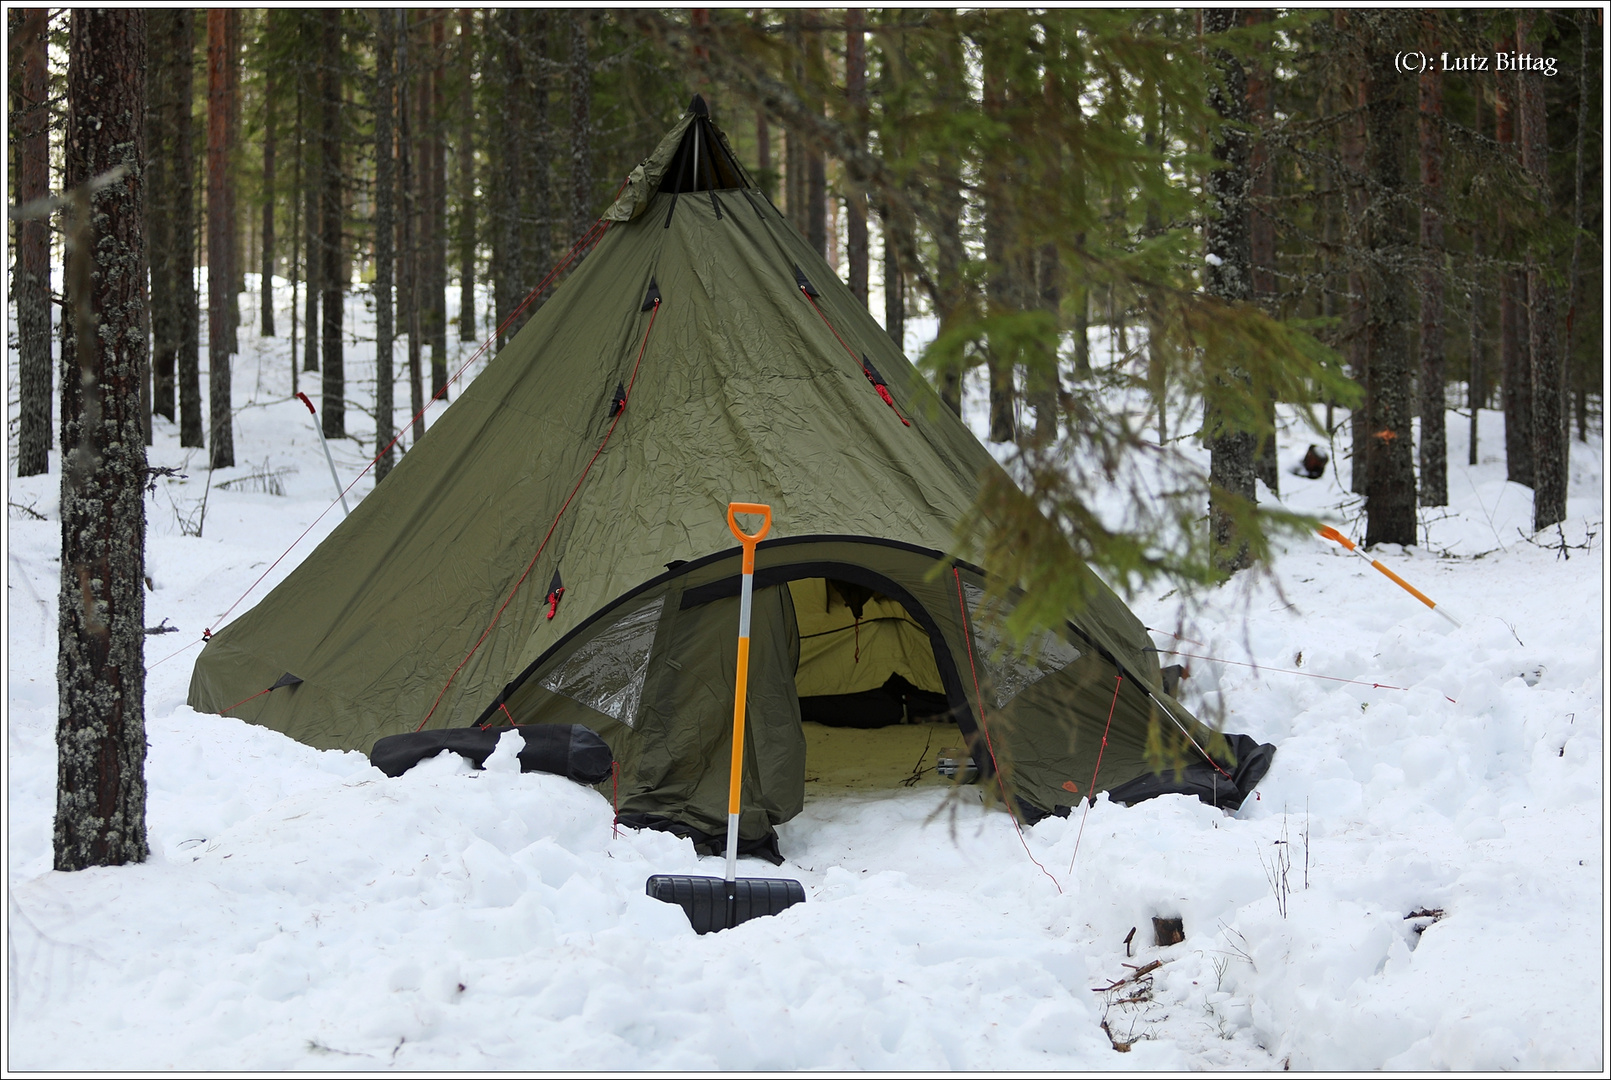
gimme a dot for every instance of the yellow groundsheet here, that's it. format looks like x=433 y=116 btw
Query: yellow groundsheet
x=852 y=759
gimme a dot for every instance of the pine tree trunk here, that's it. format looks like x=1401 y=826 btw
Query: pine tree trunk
x=1001 y=236
x=1389 y=450
x=1550 y=446
x=424 y=177
x=235 y=257
x=949 y=254
x=1575 y=283
x=581 y=95
x=165 y=111
x=1353 y=153
x=100 y=734
x=1355 y=310
x=1231 y=475
x=436 y=254
x=1157 y=366
x=795 y=155
x=894 y=288
x=220 y=296
x=266 y=282
x=1076 y=205
x=296 y=231
x=763 y=154
x=1434 y=443
x=856 y=249
x=1261 y=236
x=189 y=229
x=816 y=162
x=30 y=126
x=536 y=233
x=467 y=197
x=385 y=233
x=1476 y=391
x=1514 y=359
x=409 y=288
x=506 y=71
x=312 y=191
x=895 y=69
x=1044 y=383
x=333 y=407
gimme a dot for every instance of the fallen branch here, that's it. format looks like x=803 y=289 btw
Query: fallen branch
x=1121 y=1047
x=1136 y=974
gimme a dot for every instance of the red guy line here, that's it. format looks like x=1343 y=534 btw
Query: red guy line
x=1090 y=792
x=967 y=633
x=588 y=239
x=578 y=486
x=853 y=355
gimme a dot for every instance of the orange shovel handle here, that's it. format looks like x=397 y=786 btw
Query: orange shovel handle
x=749 y=541
x=735 y=775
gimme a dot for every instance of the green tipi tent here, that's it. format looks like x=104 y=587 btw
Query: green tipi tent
x=556 y=550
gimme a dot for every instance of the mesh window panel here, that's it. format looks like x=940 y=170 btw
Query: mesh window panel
x=1013 y=668
x=607 y=671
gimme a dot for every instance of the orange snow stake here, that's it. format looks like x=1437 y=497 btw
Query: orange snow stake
x=723 y=903
x=1332 y=534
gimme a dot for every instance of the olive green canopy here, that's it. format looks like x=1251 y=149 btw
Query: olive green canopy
x=555 y=549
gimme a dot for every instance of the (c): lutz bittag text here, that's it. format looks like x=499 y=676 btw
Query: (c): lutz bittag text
x=1420 y=62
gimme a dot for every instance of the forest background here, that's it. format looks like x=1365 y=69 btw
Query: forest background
x=1378 y=215
x=1025 y=177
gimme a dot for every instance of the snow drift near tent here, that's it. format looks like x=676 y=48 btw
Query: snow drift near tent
x=703 y=352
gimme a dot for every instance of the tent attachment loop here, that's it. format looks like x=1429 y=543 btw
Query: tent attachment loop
x=556 y=590
x=877 y=380
x=805 y=285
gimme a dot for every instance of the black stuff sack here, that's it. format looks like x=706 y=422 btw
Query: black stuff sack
x=568 y=750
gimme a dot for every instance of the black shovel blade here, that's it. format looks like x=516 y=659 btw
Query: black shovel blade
x=718 y=904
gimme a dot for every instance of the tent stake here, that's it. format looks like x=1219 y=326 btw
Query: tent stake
x=340 y=494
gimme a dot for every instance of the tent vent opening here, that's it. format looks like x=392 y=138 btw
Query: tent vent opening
x=702 y=161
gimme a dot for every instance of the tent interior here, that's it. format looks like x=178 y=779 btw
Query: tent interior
x=872 y=704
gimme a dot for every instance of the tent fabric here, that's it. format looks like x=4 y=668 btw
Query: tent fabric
x=681 y=366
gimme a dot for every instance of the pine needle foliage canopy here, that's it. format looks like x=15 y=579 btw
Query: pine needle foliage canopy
x=988 y=104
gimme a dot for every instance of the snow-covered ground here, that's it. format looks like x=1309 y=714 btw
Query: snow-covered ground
x=301 y=911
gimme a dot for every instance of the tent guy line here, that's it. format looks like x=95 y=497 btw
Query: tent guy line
x=585 y=242
x=867 y=369
x=1118 y=681
x=653 y=304
x=1293 y=671
x=973 y=667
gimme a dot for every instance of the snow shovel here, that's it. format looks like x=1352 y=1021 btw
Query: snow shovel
x=723 y=903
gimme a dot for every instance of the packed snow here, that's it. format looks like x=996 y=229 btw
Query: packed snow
x=1419 y=882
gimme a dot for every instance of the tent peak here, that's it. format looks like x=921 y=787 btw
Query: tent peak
x=698 y=106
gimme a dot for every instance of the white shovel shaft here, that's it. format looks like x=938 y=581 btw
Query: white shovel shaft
x=735 y=775
x=745 y=595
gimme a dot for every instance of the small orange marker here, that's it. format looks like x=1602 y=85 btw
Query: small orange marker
x=1332 y=534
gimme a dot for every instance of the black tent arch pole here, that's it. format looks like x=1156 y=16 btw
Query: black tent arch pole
x=765 y=577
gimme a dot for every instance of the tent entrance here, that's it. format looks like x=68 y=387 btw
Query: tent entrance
x=872 y=702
